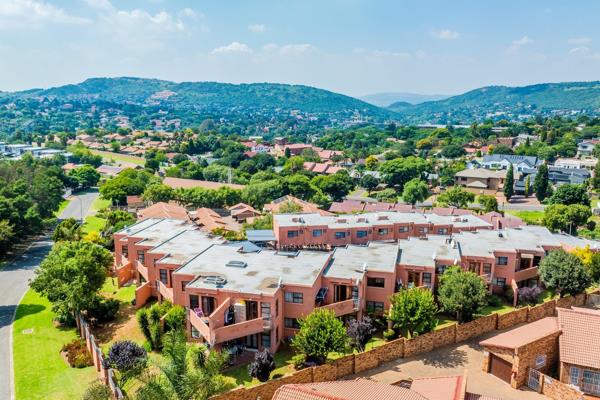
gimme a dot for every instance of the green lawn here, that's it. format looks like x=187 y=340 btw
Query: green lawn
x=109 y=156
x=93 y=223
x=99 y=203
x=61 y=207
x=40 y=371
x=124 y=294
x=501 y=309
x=529 y=217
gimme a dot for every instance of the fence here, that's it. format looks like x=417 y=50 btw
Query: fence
x=107 y=376
x=403 y=348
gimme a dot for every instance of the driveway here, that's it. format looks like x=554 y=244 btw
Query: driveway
x=14 y=282
x=451 y=360
x=79 y=206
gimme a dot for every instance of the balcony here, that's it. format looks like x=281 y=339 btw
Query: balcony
x=165 y=292
x=214 y=330
x=142 y=270
x=343 y=307
x=526 y=273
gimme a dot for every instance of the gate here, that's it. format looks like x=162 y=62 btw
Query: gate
x=533 y=382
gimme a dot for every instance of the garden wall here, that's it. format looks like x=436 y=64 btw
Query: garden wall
x=403 y=348
x=105 y=375
x=557 y=390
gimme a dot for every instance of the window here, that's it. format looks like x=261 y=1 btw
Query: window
x=208 y=305
x=125 y=251
x=340 y=235
x=276 y=308
x=383 y=231
x=183 y=285
x=502 y=261
x=265 y=310
x=423 y=230
x=294 y=297
x=591 y=382
x=140 y=255
x=164 y=278
x=500 y=282
x=195 y=333
x=291 y=323
x=266 y=340
x=487 y=268
x=574 y=376
x=540 y=360
x=426 y=278
x=292 y=234
x=375 y=306
x=442 y=231
x=194 y=301
x=317 y=232
x=361 y=234
x=376 y=282
x=403 y=229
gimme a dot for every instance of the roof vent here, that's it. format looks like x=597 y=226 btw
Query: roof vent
x=364 y=268
x=214 y=280
x=500 y=234
x=236 y=264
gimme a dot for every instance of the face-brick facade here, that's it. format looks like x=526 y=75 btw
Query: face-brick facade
x=238 y=293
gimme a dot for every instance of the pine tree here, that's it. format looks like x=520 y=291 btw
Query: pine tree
x=540 y=183
x=509 y=183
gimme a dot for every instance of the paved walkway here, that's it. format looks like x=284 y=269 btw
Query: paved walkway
x=451 y=360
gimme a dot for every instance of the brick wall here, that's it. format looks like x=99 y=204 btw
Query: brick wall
x=512 y=318
x=541 y=311
x=365 y=361
x=556 y=390
x=475 y=328
x=525 y=358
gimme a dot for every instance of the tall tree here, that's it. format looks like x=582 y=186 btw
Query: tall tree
x=564 y=273
x=413 y=312
x=509 y=183
x=415 y=191
x=321 y=333
x=541 y=183
x=462 y=293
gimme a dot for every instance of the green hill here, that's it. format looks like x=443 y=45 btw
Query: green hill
x=508 y=102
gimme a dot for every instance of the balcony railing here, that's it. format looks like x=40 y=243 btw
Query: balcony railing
x=142 y=270
x=216 y=335
x=165 y=292
x=343 y=307
x=526 y=273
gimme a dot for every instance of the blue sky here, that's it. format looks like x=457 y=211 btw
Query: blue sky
x=354 y=47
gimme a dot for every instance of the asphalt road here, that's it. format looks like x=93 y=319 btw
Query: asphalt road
x=14 y=282
x=79 y=206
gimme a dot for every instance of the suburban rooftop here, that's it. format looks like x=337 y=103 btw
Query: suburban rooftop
x=425 y=252
x=350 y=262
x=183 y=246
x=253 y=272
x=154 y=231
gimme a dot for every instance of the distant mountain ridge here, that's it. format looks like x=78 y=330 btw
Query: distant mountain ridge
x=389 y=98
x=507 y=102
x=141 y=91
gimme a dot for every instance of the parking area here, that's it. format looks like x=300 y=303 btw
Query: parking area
x=451 y=360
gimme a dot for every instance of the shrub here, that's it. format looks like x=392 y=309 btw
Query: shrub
x=299 y=361
x=529 y=295
x=175 y=318
x=494 y=301
x=77 y=354
x=262 y=366
x=413 y=312
x=127 y=358
x=462 y=293
x=564 y=273
x=103 y=310
x=97 y=391
x=321 y=333
x=389 y=334
x=360 y=332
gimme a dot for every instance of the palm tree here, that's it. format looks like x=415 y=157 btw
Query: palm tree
x=187 y=373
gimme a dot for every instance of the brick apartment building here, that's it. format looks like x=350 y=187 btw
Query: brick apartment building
x=238 y=293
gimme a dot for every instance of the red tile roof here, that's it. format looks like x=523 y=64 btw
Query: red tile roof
x=523 y=335
x=440 y=388
x=579 y=342
x=359 y=389
x=307 y=207
x=164 y=210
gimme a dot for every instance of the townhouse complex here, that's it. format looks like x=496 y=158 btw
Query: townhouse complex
x=239 y=293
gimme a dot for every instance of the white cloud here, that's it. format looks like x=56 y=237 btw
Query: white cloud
x=233 y=47
x=584 y=52
x=100 y=4
x=445 y=34
x=257 y=28
x=387 y=53
x=296 y=48
x=270 y=47
x=142 y=19
x=189 y=13
x=518 y=43
x=580 y=40
x=579 y=50
x=18 y=13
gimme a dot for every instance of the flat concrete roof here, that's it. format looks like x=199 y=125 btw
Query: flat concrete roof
x=349 y=262
x=184 y=246
x=254 y=272
x=377 y=218
x=155 y=231
x=424 y=252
